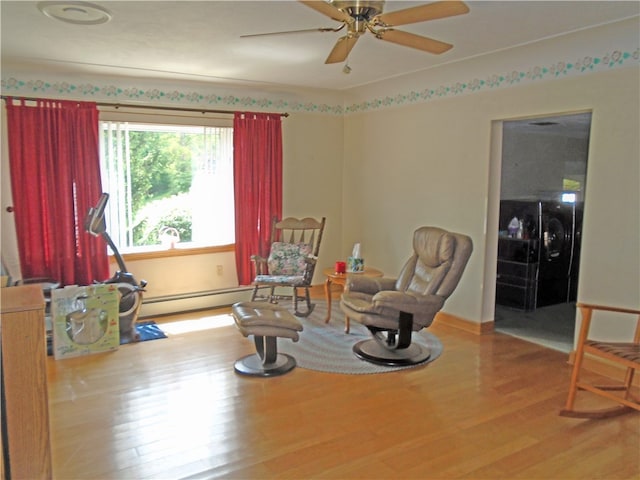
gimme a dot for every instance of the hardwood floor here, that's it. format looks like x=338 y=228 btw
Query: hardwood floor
x=174 y=408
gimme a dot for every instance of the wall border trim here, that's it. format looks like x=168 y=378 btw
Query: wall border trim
x=16 y=85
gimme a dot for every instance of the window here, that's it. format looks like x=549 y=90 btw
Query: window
x=170 y=185
x=571 y=185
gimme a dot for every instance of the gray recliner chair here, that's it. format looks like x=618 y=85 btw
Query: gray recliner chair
x=392 y=309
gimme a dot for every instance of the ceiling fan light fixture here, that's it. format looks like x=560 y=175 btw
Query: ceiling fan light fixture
x=78 y=13
x=360 y=9
x=362 y=15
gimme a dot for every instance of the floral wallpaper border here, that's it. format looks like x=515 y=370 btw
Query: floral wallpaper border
x=97 y=92
x=559 y=69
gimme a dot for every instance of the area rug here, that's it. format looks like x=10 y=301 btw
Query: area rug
x=148 y=331
x=326 y=348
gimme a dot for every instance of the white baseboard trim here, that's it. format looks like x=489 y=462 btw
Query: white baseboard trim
x=190 y=301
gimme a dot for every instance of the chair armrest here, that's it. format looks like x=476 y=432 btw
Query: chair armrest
x=309 y=268
x=587 y=310
x=607 y=308
x=369 y=285
x=260 y=264
x=311 y=260
x=406 y=302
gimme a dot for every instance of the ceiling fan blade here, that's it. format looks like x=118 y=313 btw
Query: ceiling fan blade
x=421 y=13
x=414 y=41
x=328 y=10
x=287 y=32
x=341 y=49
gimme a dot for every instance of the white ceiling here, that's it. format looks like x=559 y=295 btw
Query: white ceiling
x=200 y=41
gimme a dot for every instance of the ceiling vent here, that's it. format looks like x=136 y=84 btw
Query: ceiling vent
x=79 y=13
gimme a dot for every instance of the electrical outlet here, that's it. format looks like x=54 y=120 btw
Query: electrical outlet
x=219 y=269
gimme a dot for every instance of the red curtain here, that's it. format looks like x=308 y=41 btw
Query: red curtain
x=257 y=177
x=54 y=157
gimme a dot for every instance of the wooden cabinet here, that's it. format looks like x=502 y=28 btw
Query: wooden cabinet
x=25 y=406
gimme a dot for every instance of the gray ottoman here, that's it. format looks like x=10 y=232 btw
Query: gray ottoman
x=266 y=322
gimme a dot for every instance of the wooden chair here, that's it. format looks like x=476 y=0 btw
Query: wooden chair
x=625 y=354
x=293 y=254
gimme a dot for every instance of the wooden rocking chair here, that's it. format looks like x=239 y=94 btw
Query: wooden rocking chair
x=625 y=354
x=295 y=244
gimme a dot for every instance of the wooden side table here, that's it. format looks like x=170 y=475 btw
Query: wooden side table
x=341 y=279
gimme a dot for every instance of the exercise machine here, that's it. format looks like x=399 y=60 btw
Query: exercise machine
x=130 y=289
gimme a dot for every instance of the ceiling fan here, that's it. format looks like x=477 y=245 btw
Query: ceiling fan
x=359 y=17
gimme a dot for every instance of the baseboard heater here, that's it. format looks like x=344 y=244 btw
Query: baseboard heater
x=190 y=301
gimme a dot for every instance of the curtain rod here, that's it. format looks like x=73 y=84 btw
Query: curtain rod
x=148 y=107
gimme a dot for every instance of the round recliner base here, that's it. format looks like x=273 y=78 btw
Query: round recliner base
x=252 y=365
x=371 y=351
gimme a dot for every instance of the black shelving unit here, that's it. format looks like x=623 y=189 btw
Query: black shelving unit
x=517 y=273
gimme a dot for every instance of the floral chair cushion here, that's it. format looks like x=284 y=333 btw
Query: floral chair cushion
x=284 y=280
x=288 y=258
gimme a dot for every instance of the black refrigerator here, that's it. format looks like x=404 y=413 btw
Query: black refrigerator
x=538 y=263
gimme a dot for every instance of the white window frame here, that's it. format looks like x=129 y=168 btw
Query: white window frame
x=162 y=117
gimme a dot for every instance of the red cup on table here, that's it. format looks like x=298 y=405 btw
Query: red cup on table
x=341 y=267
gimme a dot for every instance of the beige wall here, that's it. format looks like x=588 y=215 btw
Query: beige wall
x=312 y=180
x=432 y=164
x=535 y=165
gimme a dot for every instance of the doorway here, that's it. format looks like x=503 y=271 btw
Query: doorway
x=543 y=178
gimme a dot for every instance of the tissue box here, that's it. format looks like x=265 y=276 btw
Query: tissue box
x=85 y=320
x=355 y=265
